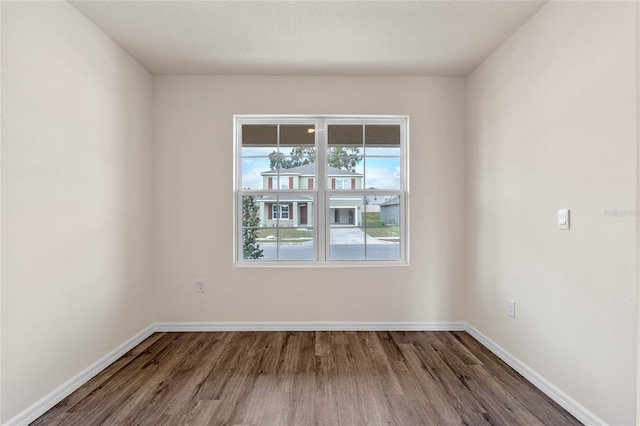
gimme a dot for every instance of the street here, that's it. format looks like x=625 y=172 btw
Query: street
x=304 y=251
x=347 y=243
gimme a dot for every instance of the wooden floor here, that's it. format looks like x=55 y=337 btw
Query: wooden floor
x=308 y=378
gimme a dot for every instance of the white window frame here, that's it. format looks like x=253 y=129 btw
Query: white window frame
x=321 y=191
x=345 y=183
x=278 y=210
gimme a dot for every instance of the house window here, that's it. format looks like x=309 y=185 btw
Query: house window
x=280 y=211
x=321 y=190
x=341 y=183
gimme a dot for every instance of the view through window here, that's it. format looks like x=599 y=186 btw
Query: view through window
x=321 y=189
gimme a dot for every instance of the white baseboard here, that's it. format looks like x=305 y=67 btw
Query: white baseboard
x=46 y=403
x=43 y=405
x=310 y=326
x=565 y=401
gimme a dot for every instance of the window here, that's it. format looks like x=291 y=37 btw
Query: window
x=321 y=190
x=342 y=183
x=281 y=213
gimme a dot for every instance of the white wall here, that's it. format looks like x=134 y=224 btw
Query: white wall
x=76 y=189
x=551 y=124
x=193 y=203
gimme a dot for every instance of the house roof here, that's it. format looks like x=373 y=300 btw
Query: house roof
x=310 y=170
x=395 y=200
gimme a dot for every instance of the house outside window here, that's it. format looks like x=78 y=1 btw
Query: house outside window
x=280 y=211
x=342 y=183
x=305 y=186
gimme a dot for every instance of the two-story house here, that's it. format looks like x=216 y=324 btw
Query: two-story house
x=297 y=210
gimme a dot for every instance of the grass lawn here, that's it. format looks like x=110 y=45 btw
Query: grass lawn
x=389 y=231
x=373 y=219
x=286 y=234
x=378 y=229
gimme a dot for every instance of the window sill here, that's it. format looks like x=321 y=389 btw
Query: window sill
x=326 y=264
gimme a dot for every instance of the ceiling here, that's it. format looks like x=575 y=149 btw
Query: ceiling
x=309 y=37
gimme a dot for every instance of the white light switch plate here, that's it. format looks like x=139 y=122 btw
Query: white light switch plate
x=563 y=219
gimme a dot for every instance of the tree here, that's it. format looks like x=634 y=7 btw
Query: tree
x=300 y=155
x=250 y=221
x=346 y=158
x=277 y=161
x=297 y=157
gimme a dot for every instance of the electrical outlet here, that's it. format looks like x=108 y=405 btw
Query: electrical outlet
x=201 y=286
x=511 y=308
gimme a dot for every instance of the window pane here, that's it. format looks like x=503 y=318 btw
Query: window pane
x=290 y=177
x=345 y=135
x=346 y=210
x=296 y=244
x=382 y=226
x=381 y=152
x=346 y=243
x=288 y=231
x=383 y=243
x=286 y=211
x=288 y=243
x=259 y=135
x=296 y=165
x=382 y=173
x=382 y=135
x=382 y=250
x=297 y=135
x=252 y=248
x=251 y=220
x=344 y=168
x=258 y=152
x=259 y=149
x=346 y=236
x=253 y=170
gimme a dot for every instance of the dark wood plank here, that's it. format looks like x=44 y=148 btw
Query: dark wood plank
x=308 y=378
x=98 y=381
x=524 y=391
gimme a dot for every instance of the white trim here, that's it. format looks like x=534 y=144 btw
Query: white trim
x=328 y=264
x=576 y=409
x=309 y=326
x=40 y=407
x=47 y=402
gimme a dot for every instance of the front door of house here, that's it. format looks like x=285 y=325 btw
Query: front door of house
x=303 y=214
